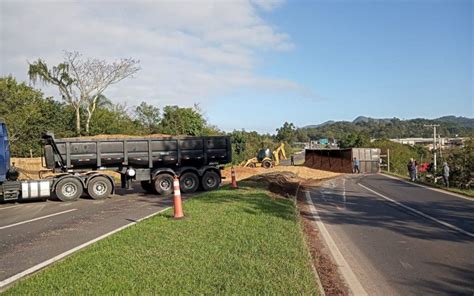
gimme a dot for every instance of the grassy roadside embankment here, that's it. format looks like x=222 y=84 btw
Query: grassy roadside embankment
x=231 y=242
x=465 y=192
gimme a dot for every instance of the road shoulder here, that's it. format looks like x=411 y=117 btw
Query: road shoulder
x=429 y=187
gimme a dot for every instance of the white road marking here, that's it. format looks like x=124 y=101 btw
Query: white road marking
x=346 y=271
x=36 y=219
x=10 y=207
x=430 y=188
x=43 y=264
x=344 y=191
x=420 y=213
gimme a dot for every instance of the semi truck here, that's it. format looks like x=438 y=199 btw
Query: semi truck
x=79 y=166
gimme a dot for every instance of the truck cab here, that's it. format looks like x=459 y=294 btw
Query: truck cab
x=4 y=151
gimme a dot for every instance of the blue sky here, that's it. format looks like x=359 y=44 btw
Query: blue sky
x=254 y=64
x=403 y=59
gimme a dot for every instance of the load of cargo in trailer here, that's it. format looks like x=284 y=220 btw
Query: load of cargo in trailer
x=79 y=166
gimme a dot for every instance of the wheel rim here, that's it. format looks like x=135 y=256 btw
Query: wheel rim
x=69 y=190
x=210 y=181
x=165 y=184
x=189 y=183
x=100 y=188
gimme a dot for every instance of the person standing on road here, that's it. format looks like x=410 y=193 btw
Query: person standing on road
x=446 y=174
x=411 y=169
x=292 y=158
x=356 y=166
x=416 y=170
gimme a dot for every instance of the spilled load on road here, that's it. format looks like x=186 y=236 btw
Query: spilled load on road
x=79 y=165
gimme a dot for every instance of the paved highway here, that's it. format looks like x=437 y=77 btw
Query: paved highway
x=31 y=233
x=398 y=238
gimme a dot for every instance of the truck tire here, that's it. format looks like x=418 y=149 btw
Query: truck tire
x=163 y=184
x=69 y=189
x=99 y=188
x=210 y=181
x=148 y=187
x=267 y=164
x=188 y=182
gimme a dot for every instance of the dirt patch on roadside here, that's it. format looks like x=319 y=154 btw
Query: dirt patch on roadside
x=328 y=273
x=300 y=171
x=282 y=183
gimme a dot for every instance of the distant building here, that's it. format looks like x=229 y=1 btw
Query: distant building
x=444 y=143
x=327 y=143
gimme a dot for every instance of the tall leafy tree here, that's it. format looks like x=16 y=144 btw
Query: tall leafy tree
x=286 y=133
x=28 y=114
x=61 y=77
x=148 y=116
x=182 y=121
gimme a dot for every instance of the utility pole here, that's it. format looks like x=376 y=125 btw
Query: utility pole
x=434 y=126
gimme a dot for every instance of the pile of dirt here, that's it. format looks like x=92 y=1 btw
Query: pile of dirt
x=283 y=183
x=285 y=180
x=299 y=171
x=31 y=168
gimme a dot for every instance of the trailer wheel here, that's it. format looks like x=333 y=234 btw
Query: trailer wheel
x=210 y=181
x=188 y=182
x=267 y=164
x=148 y=187
x=69 y=189
x=164 y=184
x=99 y=188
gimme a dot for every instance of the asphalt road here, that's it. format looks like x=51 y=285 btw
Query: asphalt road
x=31 y=233
x=400 y=250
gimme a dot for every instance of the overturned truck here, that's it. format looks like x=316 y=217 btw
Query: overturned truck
x=80 y=164
x=341 y=160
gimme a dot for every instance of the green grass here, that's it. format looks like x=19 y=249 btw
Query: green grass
x=231 y=242
x=466 y=192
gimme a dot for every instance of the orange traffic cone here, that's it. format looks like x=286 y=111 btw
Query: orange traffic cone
x=234 y=180
x=178 y=207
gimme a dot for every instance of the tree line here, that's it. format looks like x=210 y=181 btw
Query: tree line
x=359 y=133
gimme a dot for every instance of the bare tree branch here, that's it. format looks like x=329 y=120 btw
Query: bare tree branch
x=81 y=81
x=93 y=76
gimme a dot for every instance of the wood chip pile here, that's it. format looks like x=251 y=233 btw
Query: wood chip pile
x=299 y=171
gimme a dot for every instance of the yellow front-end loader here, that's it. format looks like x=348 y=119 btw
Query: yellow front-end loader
x=265 y=159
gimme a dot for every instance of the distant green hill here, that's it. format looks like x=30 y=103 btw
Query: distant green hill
x=450 y=126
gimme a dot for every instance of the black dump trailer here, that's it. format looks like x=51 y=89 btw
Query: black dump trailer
x=80 y=164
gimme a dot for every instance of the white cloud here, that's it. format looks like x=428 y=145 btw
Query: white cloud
x=189 y=50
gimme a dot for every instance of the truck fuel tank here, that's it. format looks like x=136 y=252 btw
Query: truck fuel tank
x=35 y=189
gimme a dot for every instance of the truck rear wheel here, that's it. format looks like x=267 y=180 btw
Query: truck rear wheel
x=148 y=186
x=69 y=189
x=99 y=188
x=188 y=182
x=210 y=181
x=164 y=184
